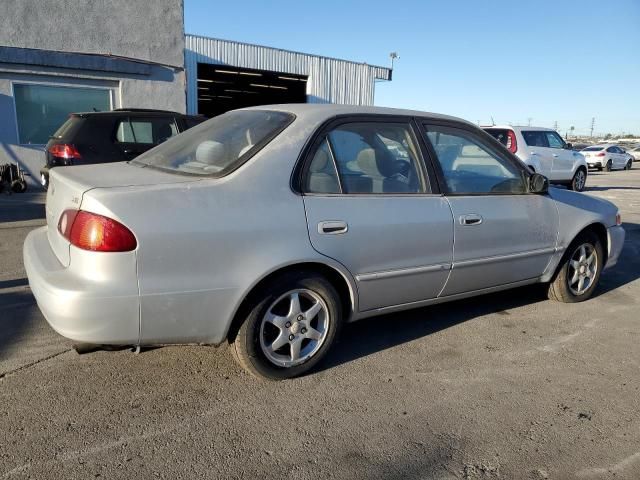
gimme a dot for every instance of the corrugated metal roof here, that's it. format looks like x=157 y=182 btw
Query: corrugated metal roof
x=330 y=80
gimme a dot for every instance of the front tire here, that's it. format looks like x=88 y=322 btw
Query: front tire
x=290 y=327
x=579 y=180
x=579 y=271
x=628 y=165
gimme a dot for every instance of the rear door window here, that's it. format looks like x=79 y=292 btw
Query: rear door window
x=366 y=158
x=535 y=138
x=376 y=158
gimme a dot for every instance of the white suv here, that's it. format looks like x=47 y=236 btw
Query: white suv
x=544 y=151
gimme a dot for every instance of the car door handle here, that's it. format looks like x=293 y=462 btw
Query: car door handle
x=332 y=227
x=555 y=155
x=470 y=219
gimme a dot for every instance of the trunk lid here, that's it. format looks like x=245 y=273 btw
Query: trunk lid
x=67 y=185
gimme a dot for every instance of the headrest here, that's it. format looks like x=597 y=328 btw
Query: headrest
x=210 y=152
x=366 y=161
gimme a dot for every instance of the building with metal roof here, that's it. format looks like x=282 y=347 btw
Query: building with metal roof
x=84 y=63
x=224 y=74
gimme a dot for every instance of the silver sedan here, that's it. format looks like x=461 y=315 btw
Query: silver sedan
x=270 y=227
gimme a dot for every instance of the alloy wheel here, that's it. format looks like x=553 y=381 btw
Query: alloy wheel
x=294 y=328
x=579 y=180
x=583 y=268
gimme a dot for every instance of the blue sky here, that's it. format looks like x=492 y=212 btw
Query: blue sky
x=563 y=60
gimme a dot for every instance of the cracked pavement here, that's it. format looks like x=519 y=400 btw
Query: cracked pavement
x=509 y=385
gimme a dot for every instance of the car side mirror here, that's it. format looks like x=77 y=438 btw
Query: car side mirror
x=538 y=183
x=569 y=146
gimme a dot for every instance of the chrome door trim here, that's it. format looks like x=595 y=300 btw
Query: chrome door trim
x=501 y=258
x=401 y=272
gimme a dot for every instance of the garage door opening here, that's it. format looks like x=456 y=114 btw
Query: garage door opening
x=222 y=88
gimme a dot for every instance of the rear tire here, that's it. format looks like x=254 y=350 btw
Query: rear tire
x=579 y=271
x=609 y=166
x=282 y=337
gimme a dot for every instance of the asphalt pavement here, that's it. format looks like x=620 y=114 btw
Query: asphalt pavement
x=508 y=385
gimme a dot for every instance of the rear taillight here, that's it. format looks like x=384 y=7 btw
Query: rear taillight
x=512 y=144
x=601 y=154
x=64 y=150
x=90 y=231
x=618 y=219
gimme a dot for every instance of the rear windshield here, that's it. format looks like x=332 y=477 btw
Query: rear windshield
x=219 y=145
x=500 y=134
x=67 y=127
x=592 y=149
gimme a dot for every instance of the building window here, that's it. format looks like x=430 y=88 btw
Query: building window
x=41 y=109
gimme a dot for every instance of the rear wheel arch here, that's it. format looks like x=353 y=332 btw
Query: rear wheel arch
x=339 y=281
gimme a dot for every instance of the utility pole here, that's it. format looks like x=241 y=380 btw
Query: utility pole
x=555 y=125
x=593 y=123
x=529 y=121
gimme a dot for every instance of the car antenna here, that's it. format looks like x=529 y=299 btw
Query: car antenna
x=493 y=123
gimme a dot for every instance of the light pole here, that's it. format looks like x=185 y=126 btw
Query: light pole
x=393 y=56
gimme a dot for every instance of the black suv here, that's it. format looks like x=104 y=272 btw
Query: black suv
x=113 y=136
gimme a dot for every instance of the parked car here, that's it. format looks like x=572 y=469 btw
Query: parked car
x=634 y=152
x=607 y=157
x=113 y=136
x=544 y=151
x=270 y=227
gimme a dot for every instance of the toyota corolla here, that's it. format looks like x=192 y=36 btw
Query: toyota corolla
x=271 y=227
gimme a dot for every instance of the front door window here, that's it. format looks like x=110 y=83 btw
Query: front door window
x=469 y=167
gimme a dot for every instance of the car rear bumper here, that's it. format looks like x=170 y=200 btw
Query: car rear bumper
x=594 y=163
x=90 y=310
x=615 y=237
